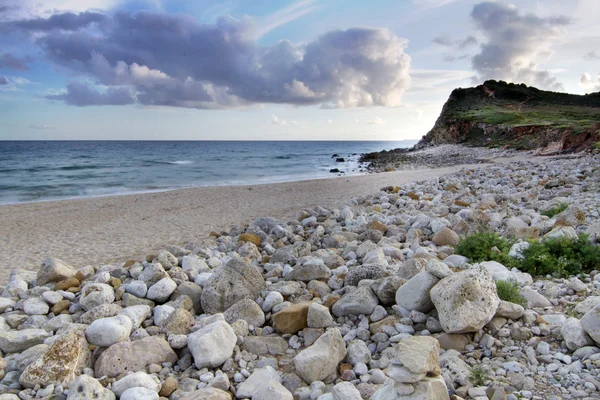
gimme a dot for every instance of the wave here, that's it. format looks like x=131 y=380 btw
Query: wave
x=180 y=162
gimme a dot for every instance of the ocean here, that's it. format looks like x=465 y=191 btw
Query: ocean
x=53 y=170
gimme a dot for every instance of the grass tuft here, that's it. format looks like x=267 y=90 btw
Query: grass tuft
x=509 y=291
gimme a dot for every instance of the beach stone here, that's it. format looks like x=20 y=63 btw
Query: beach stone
x=60 y=307
x=212 y=345
x=152 y=273
x=54 y=270
x=412 y=267
x=35 y=306
x=591 y=323
x=361 y=300
x=62 y=362
x=246 y=310
x=445 y=237
x=534 y=299
x=402 y=374
x=105 y=332
x=309 y=272
x=387 y=288
x=193 y=291
x=318 y=316
x=86 y=387
x=95 y=294
x=272 y=299
x=51 y=297
x=509 y=310
x=259 y=377
x=137 y=288
x=6 y=303
x=574 y=334
x=438 y=269
x=465 y=301
x=209 y=393
x=426 y=389
x=166 y=260
x=168 y=387
x=250 y=237
x=396 y=390
x=454 y=341
x=101 y=311
x=322 y=358
x=236 y=281
x=498 y=271
x=137 y=315
x=265 y=345
x=292 y=319
x=365 y=271
x=16 y=341
x=137 y=379
x=273 y=390
x=572 y=216
x=139 y=393
x=161 y=290
x=65 y=284
x=179 y=322
x=129 y=300
x=345 y=391
x=134 y=356
x=358 y=352
x=415 y=293
x=419 y=354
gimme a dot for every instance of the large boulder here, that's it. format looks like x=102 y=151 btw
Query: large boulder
x=418 y=354
x=498 y=271
x=64 y=360
x=465 y=301
x=134 y=356
x=86 y=387
x=361 y=300
x=16 y=341
x=237 y=280
x=591 y=323
x=366 y=271
x=415 y=294
x=212 y=345
x=445 y=237
x=54 y=270
x=574 y=334
x=322 y=358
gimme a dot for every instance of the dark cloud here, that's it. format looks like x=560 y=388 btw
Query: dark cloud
x=515 y=43
x=458 y=44
x=3 y=80
x=174 y=60
x=81 y=94
x=64 y=21
x=7 y=60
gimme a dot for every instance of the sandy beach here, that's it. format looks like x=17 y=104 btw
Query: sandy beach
x=103 y=230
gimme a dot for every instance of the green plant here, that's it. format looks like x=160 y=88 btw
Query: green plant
x=480 y=247
x=509 y=291
x=596 y=145
x=478 y=375
x=555 y=210
x=560 y=256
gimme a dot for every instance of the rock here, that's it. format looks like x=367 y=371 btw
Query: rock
x=454 y=341
x=168 y=387
x=272 y=299
x=17 y=341
x=396 y=390
x=139 y=393
x=152 y=273
x=265 y=345
x=212 y=345
x=387 y=288
x=402 y=374
x=509 y=310
x=134 y=356
x=100 y=311
x=498 y=271
x=137 y=288
x=258 y=378
x=35 y=306
x=292 y=319
x=574 y=334
x=345 y=391
x=207 y=394
x=445 y=237
x=438 y=269
x=415 y=294
x=419 y=354
x=309 y=272
x=193 y=291
x=572 y=216
x=534 y=299
x=321 y=359
x=54 y=270
x=567 y=232
x=137 y=315
x=95 y=294
x=179 y=322
x=60 y=365
x=105 y=332
x=137 y=379
x=250 y=237
x=361 y=300
x=246 y=310
x=166 y=260
x=161 y=290
x=358 y=352
x=235 y=281
x=465 y=301
x=319 y=316
x=591 y=323
x=6 y=303
x=272 y=390
x=365 y=271
x=86 y=387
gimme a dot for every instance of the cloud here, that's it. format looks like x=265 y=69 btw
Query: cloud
x=458 y=44
x=592 y=55
x=285 y=15
x=12 y=10
x=3 y=80
x=515 y=44
x=376 y=121
x=82 y=94
x=277 y=121
x=43 y=127
x=174 y=60
x=588 y=82
x=7 y=60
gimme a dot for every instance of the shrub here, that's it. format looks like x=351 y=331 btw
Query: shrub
x=555 y=210
x=560 y=256
x=509 y=291
x=478 y=375
x=478 y=247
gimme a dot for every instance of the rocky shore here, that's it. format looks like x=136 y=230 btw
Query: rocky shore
x=369 y=301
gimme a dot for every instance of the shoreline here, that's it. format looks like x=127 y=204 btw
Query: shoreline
x=109 y=229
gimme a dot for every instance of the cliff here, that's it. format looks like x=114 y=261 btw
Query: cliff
x=507 y=115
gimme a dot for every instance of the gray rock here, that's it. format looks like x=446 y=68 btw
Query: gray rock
x=105 y=332
x=591 y=323
x=259 y=377
x=235 y=281
x=193 y=291
x=212 y=345
x=322 y=358
x=358 y=301
x=386 y=289
x=95 y=294
x=161 y=290
x=100 y=311
x=86 y=387
x=272 y=390
x=152 y=273
x=309 y=272
x=35 y=306
x=509 y=310
x=139 y=393
x=345 y=391
x=415 y=294
x=137 y=315
x=246 y=310
x=265 y=345
x=54 y=270
x=17 y=341
x=534 y=299
x=319 y=316
x=438 y=269
x=137 y=379
x=358 y=352
x=574 y=334
x=137 y=288
x=365 y=271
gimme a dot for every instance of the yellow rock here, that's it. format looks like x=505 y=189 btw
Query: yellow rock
x=250 y=237
x=292 y=319
x=378 y=226
x=66 y=283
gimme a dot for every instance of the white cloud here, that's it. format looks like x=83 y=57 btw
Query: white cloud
x=329 y=121
x=588 y=82
x=376 y=121
x=285 y=15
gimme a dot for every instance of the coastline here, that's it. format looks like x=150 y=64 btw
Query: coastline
x=108 y=229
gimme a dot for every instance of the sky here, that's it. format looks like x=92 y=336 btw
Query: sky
x=275 y=70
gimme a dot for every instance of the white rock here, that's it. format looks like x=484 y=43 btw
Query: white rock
x=272 y=299
x=6 y=303
x=86 y=387
x=161 y=314
x=259 y=377
x=212 y=345
x=138 y=379
x=415 y=293
x=35 y=306
x=322 y=358
x=139 y=393
x=137 y=288
x=137 y=314
x=319 y=316
x=161 y=290
x=94 y=294
x=591 y=323
x=52 y=297
x=105 y=332
x=574 y=334
x=345 y=391
x=498 y=271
